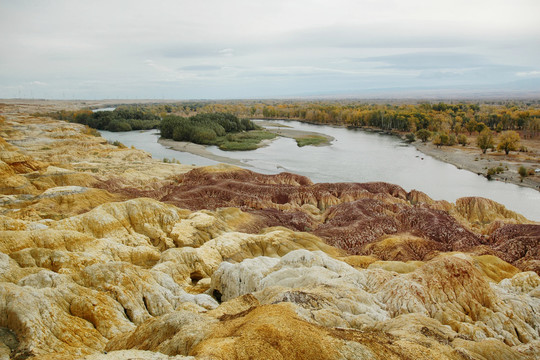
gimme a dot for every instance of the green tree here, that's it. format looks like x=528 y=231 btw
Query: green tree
x=462 y=139
x=423 y=134
x=508 y=141
x=119 y=125
x=410 y=137
x=485 y=140
x=480 y=127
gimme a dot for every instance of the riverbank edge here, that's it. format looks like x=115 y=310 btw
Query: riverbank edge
x=471 y=160
x=479 y=163
x=201 y=150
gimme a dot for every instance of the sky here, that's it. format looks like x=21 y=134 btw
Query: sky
x=235 y=49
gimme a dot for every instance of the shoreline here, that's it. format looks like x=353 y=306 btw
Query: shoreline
x=288 y=132
x=199 y=150
x=473 y=160
x=468 y=158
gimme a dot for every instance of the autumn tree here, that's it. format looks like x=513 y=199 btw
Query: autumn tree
x=471 y=126
x=508 y=141
x=480 y=127
x=423 y=134
x=462 y=139
x=485 y=140
x=441 y=139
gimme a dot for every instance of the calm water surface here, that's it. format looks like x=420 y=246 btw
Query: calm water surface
x=357 y=156
x=147 y=140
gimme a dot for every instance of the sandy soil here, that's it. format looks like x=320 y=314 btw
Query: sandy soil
x=471 y=158
x=199 y=150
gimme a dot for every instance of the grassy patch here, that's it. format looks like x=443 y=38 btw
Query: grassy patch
x=117 y=144
x=244 y=141
x=310 y=140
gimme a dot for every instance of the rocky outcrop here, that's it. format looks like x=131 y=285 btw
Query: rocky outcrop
x=358 y=218
x=481 y=213
x=518 y=244
x=106 y=253
x=308 y=305
x=101 y=273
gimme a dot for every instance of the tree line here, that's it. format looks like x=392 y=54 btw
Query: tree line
x=443 y=120
x=203 y=128
x=441 y=117
x=124 y=118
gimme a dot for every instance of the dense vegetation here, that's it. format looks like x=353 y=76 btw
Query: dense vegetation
x=222 y=129
x=123 y=118
x=444 y=124
x=456 y=118
x=205 y=122
x=225 y=130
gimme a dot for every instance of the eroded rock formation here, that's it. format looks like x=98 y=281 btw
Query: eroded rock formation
x=106 y=253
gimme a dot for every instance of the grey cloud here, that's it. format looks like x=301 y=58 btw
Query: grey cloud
x=421 y=61
x=189 y=50
x=374 y=36
x=200 y=68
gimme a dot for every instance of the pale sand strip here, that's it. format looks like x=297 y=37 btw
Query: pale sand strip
x=293 y=134
x=472 y=159
x=199 y=150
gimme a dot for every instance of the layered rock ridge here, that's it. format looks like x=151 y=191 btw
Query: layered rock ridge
x=106 y=253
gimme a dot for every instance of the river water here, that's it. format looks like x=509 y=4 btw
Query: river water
x=355 y=156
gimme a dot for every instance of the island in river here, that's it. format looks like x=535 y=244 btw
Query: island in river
x=273 y=127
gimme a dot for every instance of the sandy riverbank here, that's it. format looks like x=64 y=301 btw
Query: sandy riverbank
x=471 y=159
x=199 y=150
x=468 y=158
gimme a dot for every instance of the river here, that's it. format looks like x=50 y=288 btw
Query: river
x=355 y=156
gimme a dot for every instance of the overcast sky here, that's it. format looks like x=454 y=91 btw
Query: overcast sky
x=177 y=49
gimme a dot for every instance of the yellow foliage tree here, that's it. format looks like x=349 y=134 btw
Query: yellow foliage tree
x=508 y=141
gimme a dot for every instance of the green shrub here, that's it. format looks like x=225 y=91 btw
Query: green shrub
x=423 y=134
x=117 y=144
x=211 y=129
x=522 y=171
x=410 y=137
x=310 y=140
x=201 y=135
x=119 y=125
x=248 y=140
x=494 y=170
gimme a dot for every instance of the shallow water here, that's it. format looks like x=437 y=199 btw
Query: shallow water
x=147 y=140
x=357 y=156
